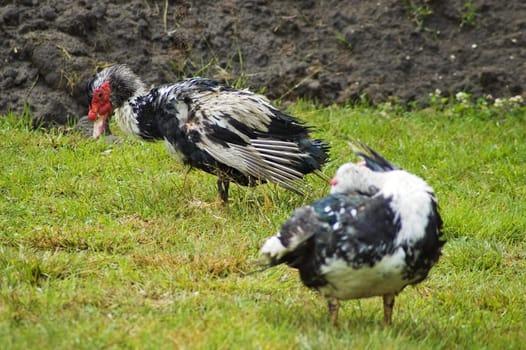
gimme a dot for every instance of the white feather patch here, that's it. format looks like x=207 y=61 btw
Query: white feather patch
x=273 y=248
x=126 y=120
x=411 y=201
x=346 y=282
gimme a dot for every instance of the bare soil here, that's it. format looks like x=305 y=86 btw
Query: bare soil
x=329 y=51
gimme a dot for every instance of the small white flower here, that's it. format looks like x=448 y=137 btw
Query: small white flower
x=461 y=96
x=474 y=46
x=498 y=102
x=516 y=99
x=435 y=94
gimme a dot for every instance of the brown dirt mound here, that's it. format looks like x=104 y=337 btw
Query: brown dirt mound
x=330 y=51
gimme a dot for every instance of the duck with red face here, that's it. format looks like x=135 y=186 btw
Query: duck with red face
x=100 y=108
x=237 y=135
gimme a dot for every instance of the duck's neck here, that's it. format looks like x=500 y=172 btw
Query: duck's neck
x=127 y=90
x=369 y=182
x=126 y=117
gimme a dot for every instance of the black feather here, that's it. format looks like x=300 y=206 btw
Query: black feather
x=373 y=159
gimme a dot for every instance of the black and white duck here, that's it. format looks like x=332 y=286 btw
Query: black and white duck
x=237 y=135
x=376 y=233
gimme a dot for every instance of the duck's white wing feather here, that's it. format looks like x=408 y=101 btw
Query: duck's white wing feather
x=234 y=127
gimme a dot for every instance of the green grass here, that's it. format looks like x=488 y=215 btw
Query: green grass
x=116 y=246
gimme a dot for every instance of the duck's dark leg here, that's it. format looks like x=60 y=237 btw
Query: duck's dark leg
x=389 y=300
x=222 y=188
x=334 y=306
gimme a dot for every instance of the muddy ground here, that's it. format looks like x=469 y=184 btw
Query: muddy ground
x=330 y=51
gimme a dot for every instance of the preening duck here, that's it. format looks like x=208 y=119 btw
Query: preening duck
x=237 y=135
x=376 y=233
